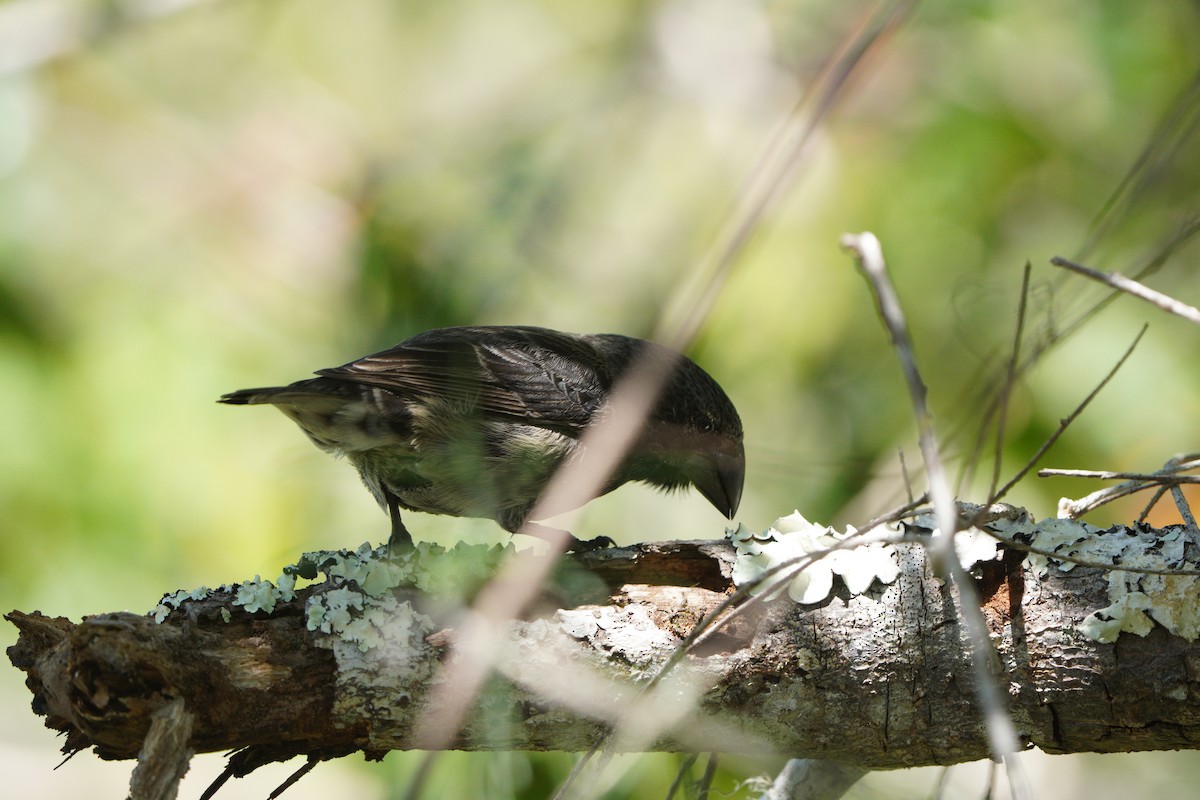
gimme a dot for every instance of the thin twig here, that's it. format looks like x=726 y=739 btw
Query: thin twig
x=710 y=772
x=777 y=174
x=1172 y=132
x=1149 y=477
x=1129 y=286
x=1002 y=733
x=564 y=788
x=291 y=780
x=416 y=784
x=939 y=788
x=1066 y=422
x=1010 y=379
x=1162 y=481
x=1185 y=510
x=685 y=767
x=1158 y=495
x=908 y=487
x=869 y=256
x=813 y=779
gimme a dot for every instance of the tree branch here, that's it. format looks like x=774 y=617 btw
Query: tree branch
x=880 y=680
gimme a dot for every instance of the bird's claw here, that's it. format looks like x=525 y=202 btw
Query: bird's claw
x=578 y=545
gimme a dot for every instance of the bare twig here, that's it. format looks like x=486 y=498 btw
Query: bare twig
x=810 y=779
x=685 y=767
x=1168 y=478
x=1148 y=477
x=1173 y=131
x=1185 y=510
x=1129 y=286
x=416 y=784
x=778 y=167
x=1010 y=379
x=939 y=788
x=1066 y=422
x=165 y=755
x=869 y=256
x=1001 y=731
x=631 y=400
x=710 y=772
x=773 y=176
x=291 y=779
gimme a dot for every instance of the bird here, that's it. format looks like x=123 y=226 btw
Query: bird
x=474 y=421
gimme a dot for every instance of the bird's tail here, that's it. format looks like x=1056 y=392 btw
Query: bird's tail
x=250 y=397
x=314 y=392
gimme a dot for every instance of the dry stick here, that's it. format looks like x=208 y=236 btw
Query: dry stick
x=778 y=176
x=1010 y=380
x=777 y=169
x=1001 y=732
x=908 y=487
x=685 y=767
x=606 y=442
x=165 y=754
x=1065 y=423
x=417 y=782
x=710 y=772
x=1129 y=286
x=1165 y=478
x=1158 y=493
x=1185 y=510
x=1148 y=477
x=718 y=617
x=295 y=776
x=988 y=397
x=939 y=788
x=1170 y=133
x=810 y=779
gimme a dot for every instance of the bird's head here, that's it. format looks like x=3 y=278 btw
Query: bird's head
x=694 y=436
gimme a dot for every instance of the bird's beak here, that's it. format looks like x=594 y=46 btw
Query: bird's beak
x=722 y=477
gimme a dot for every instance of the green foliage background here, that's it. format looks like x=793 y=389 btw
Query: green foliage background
x=201 y=196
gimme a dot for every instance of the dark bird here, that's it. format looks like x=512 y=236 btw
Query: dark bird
x=474 y=421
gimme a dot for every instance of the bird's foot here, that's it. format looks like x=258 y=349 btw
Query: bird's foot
x=557 y=537
x=577 y=545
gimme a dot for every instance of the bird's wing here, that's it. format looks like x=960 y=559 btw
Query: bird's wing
x=534 y=374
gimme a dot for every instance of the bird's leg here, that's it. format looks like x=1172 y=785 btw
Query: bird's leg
x=574 y=544
x=401 y=540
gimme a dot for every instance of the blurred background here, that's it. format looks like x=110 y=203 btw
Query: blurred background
x=197 y=197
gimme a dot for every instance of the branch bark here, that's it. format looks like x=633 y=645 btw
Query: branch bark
x=880 y=680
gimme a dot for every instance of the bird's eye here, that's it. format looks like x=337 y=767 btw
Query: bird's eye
x=708 y=426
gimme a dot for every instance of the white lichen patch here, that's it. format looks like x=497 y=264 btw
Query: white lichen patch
x=1136 y=599
x=628 y=633
x=259 y=595
x=365 y=622
x=380 y=647
x=974 y=546
x=1126 y=614
x=176 y=600
x=814 y=554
